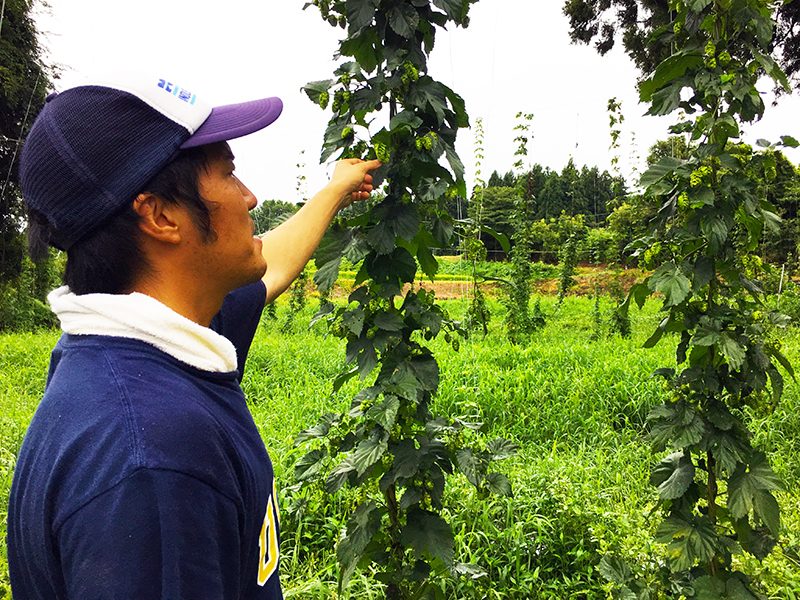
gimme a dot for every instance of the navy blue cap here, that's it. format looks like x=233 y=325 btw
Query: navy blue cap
x=93 y=148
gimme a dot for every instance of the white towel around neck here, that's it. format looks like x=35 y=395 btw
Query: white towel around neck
x=140 y=317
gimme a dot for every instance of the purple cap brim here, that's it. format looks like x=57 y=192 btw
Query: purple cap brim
x=235 y=120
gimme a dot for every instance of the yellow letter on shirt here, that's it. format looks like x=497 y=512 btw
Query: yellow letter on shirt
x=268 y=544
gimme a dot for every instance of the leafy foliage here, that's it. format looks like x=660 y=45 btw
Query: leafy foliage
x=518 y=287
x=601 y=21
x=271 y=213
x=715 y=488
x=297 y=299
x=474 y=251
x=389 y=444
x=24 y=83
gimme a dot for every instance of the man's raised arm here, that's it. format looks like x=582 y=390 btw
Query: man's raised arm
x=288 y=247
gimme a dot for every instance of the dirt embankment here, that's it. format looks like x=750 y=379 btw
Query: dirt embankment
x=587 y=280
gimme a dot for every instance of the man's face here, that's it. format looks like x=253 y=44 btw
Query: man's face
x=232 y=257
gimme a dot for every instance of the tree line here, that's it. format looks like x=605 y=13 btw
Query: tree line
x=605 y=214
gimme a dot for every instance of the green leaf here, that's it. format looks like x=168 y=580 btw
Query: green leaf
x=454 y=160
x=703 y=273
x=404 y=220
x=429 y=535
x=766 y=507
x=384 y=413
x=309 y=466
x=663 y=168
x=614 y=570
x=688 y=542
x=427 y=261
x=452 y=8
x=498 y=484
x=789 y=141
x=366 y=49
x=344 y=378
x=676 y=424
x=757 y=542
x=353 y=320
x=381 y=237
x=405 y=119
x=361 y=528
x=339 y=476
x=709 y=588
x=442 y=232
x=698 y=5
x=426 y=371
x=715 y=230
x=673 y=475
x=314 y=89
x=733 y=351
x=360 y=13
x=403 y=19
x=746 y=481
x=670 y=281
x=386 y=268
x=500 y=448
x=320 y=430
x=368 y=452
x=405 y=463
x=501 y=238
x=671 y=69
x=389 y=321
x=327 y=274
x=404 y=383
x=469 y=465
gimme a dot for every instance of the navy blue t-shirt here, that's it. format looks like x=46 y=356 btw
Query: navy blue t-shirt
x=142 y=477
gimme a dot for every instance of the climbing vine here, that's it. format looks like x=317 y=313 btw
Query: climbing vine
x=518 y=288
x=389 y=445
x=474 y=251
x=716 y=491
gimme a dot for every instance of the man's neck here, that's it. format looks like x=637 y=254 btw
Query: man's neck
x=185 y=297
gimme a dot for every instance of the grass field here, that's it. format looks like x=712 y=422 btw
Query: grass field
x=576 y=407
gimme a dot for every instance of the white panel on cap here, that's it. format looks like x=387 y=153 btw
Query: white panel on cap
x=166 y=96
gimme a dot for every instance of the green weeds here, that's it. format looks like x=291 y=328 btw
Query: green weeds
x=576 y=408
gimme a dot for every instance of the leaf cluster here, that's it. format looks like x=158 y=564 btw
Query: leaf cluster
x=389 y=445
x=715 y=488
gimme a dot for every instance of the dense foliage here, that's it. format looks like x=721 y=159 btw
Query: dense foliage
x=575 y=407
x=24 y=83
x=271 y=213
x=389 y=444
x=716 y=489
x=602 y=21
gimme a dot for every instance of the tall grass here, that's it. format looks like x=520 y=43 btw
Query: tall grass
x=576 y=407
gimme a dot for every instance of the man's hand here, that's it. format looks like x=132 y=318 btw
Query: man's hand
x=352 y=180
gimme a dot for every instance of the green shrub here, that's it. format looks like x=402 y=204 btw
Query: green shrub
x=23 y=299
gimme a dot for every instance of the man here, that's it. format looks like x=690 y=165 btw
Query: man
x=142 y=474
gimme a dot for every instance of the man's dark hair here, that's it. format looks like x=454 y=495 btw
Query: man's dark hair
x=109 y=260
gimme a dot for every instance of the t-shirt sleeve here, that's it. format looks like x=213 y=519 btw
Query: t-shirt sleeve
x=238 y=319
x=157 y=534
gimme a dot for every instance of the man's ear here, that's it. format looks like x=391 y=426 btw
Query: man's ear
x=157 y=219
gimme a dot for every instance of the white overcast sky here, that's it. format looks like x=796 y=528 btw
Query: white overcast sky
x=515 y=56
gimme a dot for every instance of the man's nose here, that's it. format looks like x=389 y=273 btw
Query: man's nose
x=248 y=196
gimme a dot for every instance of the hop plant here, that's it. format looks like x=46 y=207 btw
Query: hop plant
x=323 y=99
x=410 y=73
x=382 y=153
